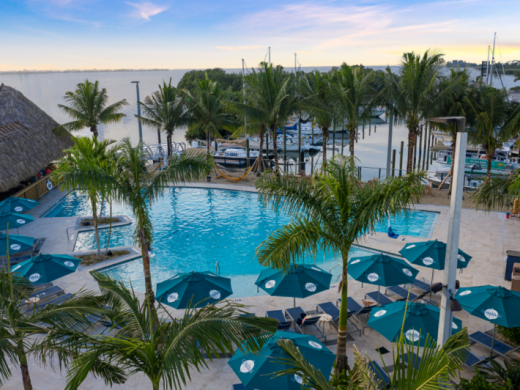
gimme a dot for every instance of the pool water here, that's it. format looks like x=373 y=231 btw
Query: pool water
x=77 y=204
x=196 y=228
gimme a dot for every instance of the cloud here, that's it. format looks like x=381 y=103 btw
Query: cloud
x=236 y=48
x=146 y=10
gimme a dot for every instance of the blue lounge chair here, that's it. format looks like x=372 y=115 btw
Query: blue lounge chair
x=284 y=325
x=486 y=340
x=420 y=285
x=380 y=374
x=330 y=309
x=56 y=301
x=401 y=293
x=352 y=305
x=276 y=314
x=391 y=233
x=412 y=359
x=355 y=310
x=383 y=299
x=473 y=361
x=48 y=292
x=296 y=312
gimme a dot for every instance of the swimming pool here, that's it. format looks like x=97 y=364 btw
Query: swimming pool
x=196 y=228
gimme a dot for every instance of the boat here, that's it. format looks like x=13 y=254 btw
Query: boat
x=474 y=176
x=236 y=156
x=292 y=144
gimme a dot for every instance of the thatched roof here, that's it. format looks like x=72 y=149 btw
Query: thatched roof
x=27 y=143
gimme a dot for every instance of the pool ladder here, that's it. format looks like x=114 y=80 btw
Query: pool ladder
x=217 y=268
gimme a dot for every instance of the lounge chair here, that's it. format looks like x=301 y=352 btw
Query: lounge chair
x=284 y=325
x=473 y=361
x=355 y=310
x=241 y=387
x=380 y=374
x=486 y=340
x=402 y=293
x=412 y=359
x=56 y=301
x=47 y=293
x=276 y=314
x=378 y=297
x=420 y=285
x=330 y=309
x=352 y=305
x=295 y=313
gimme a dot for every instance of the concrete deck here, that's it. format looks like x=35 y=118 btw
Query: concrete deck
x=485 y=236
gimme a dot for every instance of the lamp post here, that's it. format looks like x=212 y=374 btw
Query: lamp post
x=452 y=247
x=389 y=150
x=138 y=111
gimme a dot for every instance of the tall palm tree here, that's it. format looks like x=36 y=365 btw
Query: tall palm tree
x=270 y=100
x=492 y=124
x=354 y=97
x=409 y=91
x=133 y=184
x=83 y=156
x=207 y=109
x=165 y=110
x=318 y=101
x=331 y=211
x=164 y=351
x=87 y=105
x=22 y=331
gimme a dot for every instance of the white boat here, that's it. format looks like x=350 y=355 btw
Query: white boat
x=292 y=144
x=235 y=155
x=471 y=182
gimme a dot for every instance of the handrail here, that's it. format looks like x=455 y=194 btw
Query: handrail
x=67 y=230
x=330 y=270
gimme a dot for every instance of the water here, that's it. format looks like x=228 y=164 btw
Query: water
x=196 y=228
x=76 y=204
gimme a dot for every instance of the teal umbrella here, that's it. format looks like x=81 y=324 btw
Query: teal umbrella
x=381 y=270
x=14 y=220
x=497 y=305
x=201 y=288
x=18 y=205
x=46 y=268
x=301 y=281
x=16 y=243
x=254 y=370
x=431 y=254
x=419 y=320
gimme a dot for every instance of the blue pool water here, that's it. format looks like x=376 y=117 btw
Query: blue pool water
x=77 y=204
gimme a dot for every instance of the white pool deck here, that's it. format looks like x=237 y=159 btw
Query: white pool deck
x=484 y=235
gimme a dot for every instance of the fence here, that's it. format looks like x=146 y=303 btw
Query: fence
x=36 y=190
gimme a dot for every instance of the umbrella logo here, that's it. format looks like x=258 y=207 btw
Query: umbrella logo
x=18 y=208
x=355 y=261
x=380 y=313
x=454 y=325
x=427 y=261
x=15 y=268
x=310 y=287
x=314 y=344
x=172 y=297
x=412 y=335
x=215 y=294
x=247 y=366
x=34 y=278
x=69 y=263
x=467 y=292
x=20 y=221
x=298 y=379
x=372 y=277
x=410 y=246
x=491 y=314
x=270 y=284
x=461 y=258
x=15 y=247
x=407 y=272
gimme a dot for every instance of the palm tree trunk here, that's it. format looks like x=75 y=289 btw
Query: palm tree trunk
x=352 y=139
x=22 y=357
x=208 y=143
x=341 y=354
x=260 y=164
x=412 y=131
x=170 y=146
x=94 y=131
x=95 y=221
x=453 y=148
x=325 y=132
x=146 y=269
x=489 y=160
x=275 y=148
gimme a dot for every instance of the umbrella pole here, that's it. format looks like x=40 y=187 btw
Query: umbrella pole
x=378 y=290
x=493 y=342
x=433 y=270
x=294 y=312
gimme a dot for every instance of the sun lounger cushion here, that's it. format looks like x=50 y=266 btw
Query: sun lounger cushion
x=379 y=373
x=401 y=292
x=486 y=340
x=383 y=299
x=419 y=284
x=330 y=309
x=276 y=314
x=294 y=313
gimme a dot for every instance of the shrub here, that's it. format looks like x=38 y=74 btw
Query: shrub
x=478 y=382
x=512 y=334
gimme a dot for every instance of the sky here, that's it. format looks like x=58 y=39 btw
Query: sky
x=196 y=34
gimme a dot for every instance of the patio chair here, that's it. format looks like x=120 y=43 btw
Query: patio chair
x=380 y=374
x=378 y=297
x=498 y=346
x=402 y=293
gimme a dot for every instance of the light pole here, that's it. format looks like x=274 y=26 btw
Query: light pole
x=389 y=150
x=138 y=111
x=452 y=248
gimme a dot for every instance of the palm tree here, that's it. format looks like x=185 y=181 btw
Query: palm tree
x=164 y=351
x=87 y=105
x=83 y=156
x=207 y=110
x=165 y=110
x=270 y=101
x=132 y=183
x=21 y=331
x=354 y=96
x=410 y=93
x=331 y=211
x=438 y=365
x=319 y=103
x=493 y=122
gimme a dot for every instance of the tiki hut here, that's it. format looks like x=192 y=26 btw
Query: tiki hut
x=27 y=143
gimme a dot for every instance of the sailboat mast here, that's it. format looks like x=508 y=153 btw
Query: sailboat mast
x=492 y=60
x=269 y=50
x=243 y=82
x=487 y=66
x=295 y=64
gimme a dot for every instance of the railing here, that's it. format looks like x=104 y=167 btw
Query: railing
x=330 y=270
x=36 y=190
x=217 y=268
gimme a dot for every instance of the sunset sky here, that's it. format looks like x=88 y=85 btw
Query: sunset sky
x=112 y=34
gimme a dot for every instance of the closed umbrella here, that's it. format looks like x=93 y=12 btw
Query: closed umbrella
x=16 y=243
x=432 y=254
x=201 y=288
x=43 y=269
x=419 y=320
x=301 y=281
x=14 y=220
x=381 y=270
x=254 y=370
x=497 y=305
x=18 y=205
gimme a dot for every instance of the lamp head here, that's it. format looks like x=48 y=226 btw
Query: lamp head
x=134 y=82
x=436 y=287
x=455 y=305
